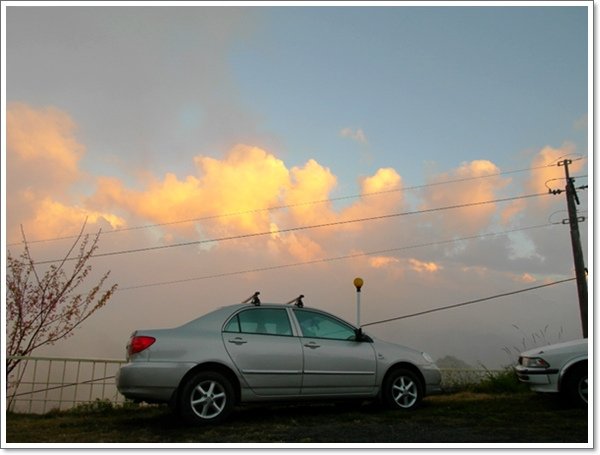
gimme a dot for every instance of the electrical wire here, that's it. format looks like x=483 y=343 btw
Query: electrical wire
x=300 y=228
x=286 y=206
x=331 y=259
x=470 y=302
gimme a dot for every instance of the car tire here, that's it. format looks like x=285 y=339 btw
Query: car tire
x=575 y=385
x=206 y=398
x=402 y=390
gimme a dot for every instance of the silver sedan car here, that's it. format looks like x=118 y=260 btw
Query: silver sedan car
x=266 y=352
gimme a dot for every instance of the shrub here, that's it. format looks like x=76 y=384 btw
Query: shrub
x=504 y=381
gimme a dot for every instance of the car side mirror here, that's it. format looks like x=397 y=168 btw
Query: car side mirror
x=360 y=336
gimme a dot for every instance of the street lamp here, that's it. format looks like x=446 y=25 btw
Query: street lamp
x=358 y=283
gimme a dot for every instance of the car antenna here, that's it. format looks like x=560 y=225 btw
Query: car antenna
x=253 y=299
x=297 y=301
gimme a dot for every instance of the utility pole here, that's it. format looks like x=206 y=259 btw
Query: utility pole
x=580 y=271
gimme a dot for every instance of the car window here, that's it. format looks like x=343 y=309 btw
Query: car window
x=266 y=321
x=318 y=325
x=233 y=325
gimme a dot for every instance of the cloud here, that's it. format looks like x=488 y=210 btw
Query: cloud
x=526 y=278
x=357 y=134
x=43 y=161
x=547 y=174
x=379 y=262
x=312 y=182
x=42 y=148
x=225 y=196
x=181 y=56
x=52 y=218
x=381 y=194
x=229 y=193
x=468 y=189
x=299 y=246
x=511 y=211
x=229 y=197
x=423 y=267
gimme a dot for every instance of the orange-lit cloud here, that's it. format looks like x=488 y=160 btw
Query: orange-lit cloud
x=43 y=158
x=526 y=278
x=378 y=262
x=378 y=197
x=229 y=194
x=473 y=189
x=227 y=197
x=312 y=182
x=56 y=219
x=423 y=267
x=302 y=247
x=546 y=173
x=248 y=178
x=42 y=141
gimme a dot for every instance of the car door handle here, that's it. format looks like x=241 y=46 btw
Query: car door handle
x=312 y=345
x=238 y=341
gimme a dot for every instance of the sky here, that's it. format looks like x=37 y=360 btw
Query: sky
x=288 y=149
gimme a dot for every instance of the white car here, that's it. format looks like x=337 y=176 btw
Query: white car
x=559 y=368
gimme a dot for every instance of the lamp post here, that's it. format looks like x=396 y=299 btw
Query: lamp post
x=358 y=283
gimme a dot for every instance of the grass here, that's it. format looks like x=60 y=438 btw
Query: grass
x=504 y=381
x=464 y=417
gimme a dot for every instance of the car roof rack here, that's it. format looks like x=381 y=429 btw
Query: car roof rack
x=297 y=301
x=253 y=299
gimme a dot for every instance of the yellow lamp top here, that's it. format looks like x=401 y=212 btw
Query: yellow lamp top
x=358 y=283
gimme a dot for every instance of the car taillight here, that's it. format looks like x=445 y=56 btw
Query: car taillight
x=139 y=343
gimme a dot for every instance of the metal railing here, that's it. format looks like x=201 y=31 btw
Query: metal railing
x=42 y=384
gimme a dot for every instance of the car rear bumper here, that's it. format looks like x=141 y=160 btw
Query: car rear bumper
x=152 y=382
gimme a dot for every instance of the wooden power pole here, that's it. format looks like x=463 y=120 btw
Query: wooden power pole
x=580 y=271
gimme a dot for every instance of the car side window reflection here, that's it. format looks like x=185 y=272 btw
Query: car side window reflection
x=317 y=325
x=265 y=321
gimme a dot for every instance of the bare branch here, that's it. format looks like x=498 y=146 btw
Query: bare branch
x=42 y=309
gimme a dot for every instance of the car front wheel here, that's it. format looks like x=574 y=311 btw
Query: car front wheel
x=402 y=390
x=576 y=385
x=207 y=397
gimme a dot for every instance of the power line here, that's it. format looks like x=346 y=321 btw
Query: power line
x=300 y=228
x=331 y=259
x=470 y=302
x=286 y=206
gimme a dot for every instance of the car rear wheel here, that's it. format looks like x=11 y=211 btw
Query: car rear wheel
x=402 y=390
x=575 y=387
x=207 y=397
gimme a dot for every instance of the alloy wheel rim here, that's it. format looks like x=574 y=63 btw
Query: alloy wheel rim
x=208 y=399
x=405 y=392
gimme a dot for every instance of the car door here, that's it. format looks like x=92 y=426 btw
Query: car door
x=334 y=362
x=262 y=346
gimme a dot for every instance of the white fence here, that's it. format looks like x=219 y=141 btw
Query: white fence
x=42 y=384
